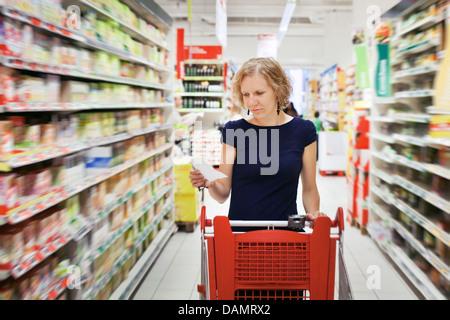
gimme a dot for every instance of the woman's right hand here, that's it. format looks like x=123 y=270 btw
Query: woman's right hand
x=198 y=180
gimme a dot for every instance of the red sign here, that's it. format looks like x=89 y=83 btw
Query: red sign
x=203 y=52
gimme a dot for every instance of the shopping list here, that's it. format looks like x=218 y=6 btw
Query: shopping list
x=207 y=169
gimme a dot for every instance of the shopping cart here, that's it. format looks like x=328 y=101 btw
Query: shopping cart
x=272 y=263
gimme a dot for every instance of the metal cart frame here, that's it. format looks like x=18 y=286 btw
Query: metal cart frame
x=272 y=264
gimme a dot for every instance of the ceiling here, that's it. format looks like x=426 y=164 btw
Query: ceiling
x=252 y=17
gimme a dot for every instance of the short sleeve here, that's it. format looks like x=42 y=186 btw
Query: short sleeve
x=310 y=133
x=228 y=138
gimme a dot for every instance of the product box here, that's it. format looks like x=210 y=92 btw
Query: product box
x=6 y=140
x=98 y=160
x=439 y=126
x=8 y=193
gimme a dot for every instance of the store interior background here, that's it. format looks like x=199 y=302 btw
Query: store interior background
x=319 y=33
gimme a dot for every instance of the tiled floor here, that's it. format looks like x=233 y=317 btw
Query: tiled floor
x=176 y=273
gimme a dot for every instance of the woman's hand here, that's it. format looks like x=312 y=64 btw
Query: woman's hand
x=312 y=217
x=198 y=180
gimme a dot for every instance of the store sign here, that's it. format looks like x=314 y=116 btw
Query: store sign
x=203 y=52
x=221 y=22
x=267 y=45
x=383 y=72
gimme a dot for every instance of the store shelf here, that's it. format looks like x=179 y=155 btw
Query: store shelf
x=417 y=71
x=36 y=206
x=409 y=268
x=389 y=158
x=137 y=273
x=30 y=262
x=69 y=71
x=98 y=285
x=421 y=24
x=422 y=191
x=418 y=141
x=203 y=94
x=414 y=94
x=125 y=27
x=81 y=40
x=382 y=137
x=417 y=245
x=47 y=153
x=215 y=78
x=78 y=106
x=207 y=110
x=417 y=47
x=201 y=61
x=386 y=177
x=127 y=224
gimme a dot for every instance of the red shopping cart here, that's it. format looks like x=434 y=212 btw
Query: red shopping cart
x=272 y=264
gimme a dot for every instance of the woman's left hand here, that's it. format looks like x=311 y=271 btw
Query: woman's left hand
x=312 y=217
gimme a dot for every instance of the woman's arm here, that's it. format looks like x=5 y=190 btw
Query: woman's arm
x=219 y=189
x=310 y=194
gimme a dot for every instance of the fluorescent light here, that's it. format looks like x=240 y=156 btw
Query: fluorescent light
x=287 y=15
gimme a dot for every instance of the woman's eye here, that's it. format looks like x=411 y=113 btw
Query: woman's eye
x=260 y=93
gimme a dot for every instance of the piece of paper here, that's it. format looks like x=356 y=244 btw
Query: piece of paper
x=207 y=169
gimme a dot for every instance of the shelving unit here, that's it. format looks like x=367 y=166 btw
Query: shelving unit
x=86 y=173
x=204 y=85
x=409 y=178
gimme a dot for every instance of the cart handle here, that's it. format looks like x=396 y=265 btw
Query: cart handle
x=338 y=221
x=203 y=221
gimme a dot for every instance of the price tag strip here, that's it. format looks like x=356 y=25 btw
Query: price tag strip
x=127 y=254
x=38 y=257
x=37 y=66
x=58 y=195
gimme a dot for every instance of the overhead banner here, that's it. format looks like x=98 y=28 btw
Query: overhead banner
x=267 y=45
x=383 y=73
x=362 y=61
x=221 y=22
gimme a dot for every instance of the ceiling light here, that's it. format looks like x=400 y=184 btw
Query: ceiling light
x=287 y=15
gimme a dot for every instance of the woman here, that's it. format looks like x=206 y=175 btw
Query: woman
x=264 y=155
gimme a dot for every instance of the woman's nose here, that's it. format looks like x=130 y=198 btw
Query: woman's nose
x=252 y=101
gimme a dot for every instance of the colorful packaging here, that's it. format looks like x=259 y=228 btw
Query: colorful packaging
x=11 y=246
x=9 y=198
x=6 y=140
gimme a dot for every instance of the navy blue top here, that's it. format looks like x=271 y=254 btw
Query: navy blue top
x=267 y=167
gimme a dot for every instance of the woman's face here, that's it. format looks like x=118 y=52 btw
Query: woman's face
x=258 y=96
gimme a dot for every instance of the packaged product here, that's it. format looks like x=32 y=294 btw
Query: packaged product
x=35 y=284
x=9 y=198
x=29 y=237
x=10 y=37
x=45 y=223
x=72 y=208
x=7 y=83
x=98 y=159
x=23 y=290
x=6 y=140
x=117 y=217
x=6 y=289
x=52 y=11
x=11 y=246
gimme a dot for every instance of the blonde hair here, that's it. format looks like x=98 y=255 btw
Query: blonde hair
x=274 y=74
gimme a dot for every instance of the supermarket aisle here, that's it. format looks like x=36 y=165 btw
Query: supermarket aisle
x=176 y=273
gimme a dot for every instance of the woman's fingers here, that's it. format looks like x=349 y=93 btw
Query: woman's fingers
x=197 y=179
x=313 y=216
